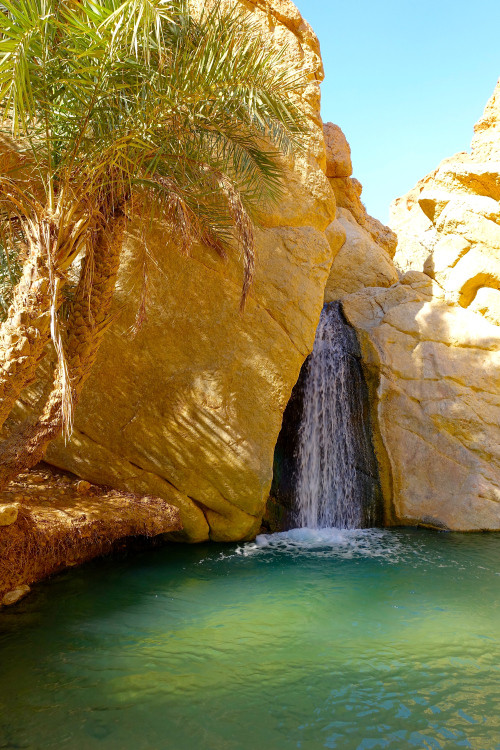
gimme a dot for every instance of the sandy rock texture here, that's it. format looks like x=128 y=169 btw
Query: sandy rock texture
x=188 y=408
x=486 y=141
x=8 y=513
x=363 y=247
x=431 y=344
x=453 y=211
x=56 y=527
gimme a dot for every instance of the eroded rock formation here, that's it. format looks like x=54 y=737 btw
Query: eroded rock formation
x=189 y=408
x=431 y=344
x=57 y=522
x=363 y=247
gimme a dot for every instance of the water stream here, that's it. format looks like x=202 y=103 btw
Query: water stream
x=334 y=442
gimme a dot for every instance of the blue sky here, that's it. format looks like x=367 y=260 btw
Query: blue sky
x=406 y=81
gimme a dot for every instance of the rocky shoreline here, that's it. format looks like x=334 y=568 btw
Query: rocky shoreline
x=51 y=520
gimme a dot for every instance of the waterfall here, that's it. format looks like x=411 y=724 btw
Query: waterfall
x=334 y=444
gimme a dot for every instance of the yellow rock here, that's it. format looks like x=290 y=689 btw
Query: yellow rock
x=338 y=152
x=14 y=596
x=336 y=236
x=486 y=141
x=83 y=487
x=487 y=302
x=189 y=408
x=8 y=514
x=362 y=246
x=360 y=262
x=434 y=376
x=431 y=345
x=449 y=224
x=347 y=189
x=309 y=200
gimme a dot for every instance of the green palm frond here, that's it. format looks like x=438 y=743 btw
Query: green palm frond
x=114 y=97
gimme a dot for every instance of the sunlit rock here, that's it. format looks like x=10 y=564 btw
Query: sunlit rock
x=431 y=345
x=189 y=408
x=14 y=596
x=8 y=514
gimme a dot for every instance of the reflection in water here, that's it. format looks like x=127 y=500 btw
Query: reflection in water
x=308 y=639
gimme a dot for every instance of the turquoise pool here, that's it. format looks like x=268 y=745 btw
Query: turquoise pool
x=352 y=640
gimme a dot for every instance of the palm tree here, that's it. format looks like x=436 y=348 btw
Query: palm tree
x=118 y=107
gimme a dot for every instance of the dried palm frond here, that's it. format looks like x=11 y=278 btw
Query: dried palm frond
x=109 y=101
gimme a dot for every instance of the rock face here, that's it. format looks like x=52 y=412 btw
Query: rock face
x=189 y=408
x=57 y=527
x=363 y=247
x=486 y=141
x=8 y=513
x=431 y=344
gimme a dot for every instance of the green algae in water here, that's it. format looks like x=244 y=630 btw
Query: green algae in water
x=350 y=640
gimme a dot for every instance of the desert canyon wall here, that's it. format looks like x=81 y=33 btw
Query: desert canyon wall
x=188 y=406
x=431 y=344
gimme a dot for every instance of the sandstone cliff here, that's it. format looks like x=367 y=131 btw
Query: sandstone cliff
x=431 y=344
x=190 y=407
x=363 y=248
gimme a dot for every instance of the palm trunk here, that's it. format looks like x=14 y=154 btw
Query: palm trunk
x=26 y=331
x=87 y=321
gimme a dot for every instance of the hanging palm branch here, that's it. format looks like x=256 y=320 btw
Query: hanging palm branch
x=121 y=104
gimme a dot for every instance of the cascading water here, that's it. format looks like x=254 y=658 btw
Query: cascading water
x=334 y=446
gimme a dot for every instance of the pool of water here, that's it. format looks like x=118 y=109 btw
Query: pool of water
x=350 y=640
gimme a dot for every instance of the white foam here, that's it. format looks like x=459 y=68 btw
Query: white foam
x=328 y=542
x=304 y=538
